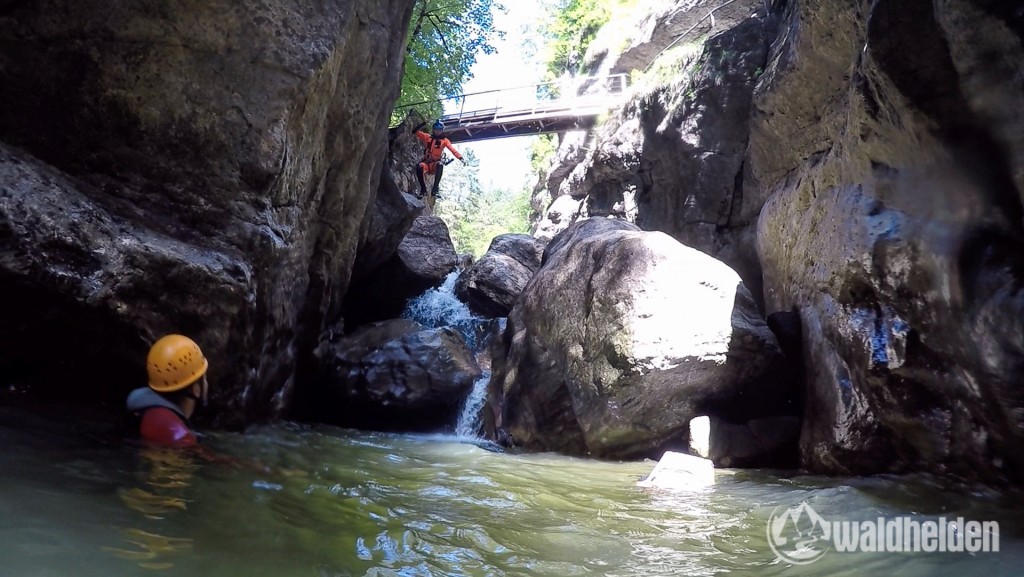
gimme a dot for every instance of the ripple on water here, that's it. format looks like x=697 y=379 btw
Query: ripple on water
x=376 y=504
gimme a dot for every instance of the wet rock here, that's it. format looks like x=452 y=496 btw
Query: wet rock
x=766 y=442
x=396 y=375
x=59 y=252
x=621 y=338
x=491 y=333
x=892 y=141
x=203 y=168
x=424 y=258
x=490 y=287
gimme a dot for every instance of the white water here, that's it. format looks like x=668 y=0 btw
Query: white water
x=469 y=424
x=439 y=307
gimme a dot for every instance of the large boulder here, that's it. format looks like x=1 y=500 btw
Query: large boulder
x=388 y=222
x=491 y=285
x=200 y=167
x=424 y=258
x=583 y=229
x=893 y=142
x=621 y=338
x=427 y=254
x=673 y=157
x=873 y=155
x=396 y=375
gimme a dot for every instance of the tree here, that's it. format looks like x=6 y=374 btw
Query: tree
x=570 y=27
x=475 y=215
x=445 y=37
x=543 y=149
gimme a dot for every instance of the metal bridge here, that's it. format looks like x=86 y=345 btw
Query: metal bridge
x=535 y=109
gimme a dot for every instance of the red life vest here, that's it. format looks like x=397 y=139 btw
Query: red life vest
x=163 y=426
x=435 y=149
x=160 y=421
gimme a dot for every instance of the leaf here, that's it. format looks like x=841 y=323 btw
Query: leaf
x=445 y=37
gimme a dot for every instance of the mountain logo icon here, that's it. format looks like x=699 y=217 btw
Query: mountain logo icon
x=799 y=535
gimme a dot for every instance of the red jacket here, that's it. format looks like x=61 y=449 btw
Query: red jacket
x=160 y=421
x=435 y=147
x=163 y=426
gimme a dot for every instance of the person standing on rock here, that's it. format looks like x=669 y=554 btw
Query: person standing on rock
x=177 y=387
x=435 y=144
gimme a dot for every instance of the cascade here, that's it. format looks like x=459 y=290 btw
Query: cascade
x=439 y=307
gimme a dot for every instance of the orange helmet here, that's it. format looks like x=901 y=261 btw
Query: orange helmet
x=175 y=362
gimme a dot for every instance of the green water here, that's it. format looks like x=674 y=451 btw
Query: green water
x=75 y=501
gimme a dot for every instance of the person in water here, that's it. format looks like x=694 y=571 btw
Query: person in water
x=177 y=387
x=434 y=146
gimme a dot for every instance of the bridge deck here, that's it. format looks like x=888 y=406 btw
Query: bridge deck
x=518 y=111
x=487 y=125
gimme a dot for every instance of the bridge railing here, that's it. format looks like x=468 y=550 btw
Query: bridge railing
x=567 y=94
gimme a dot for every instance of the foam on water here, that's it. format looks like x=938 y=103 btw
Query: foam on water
x=439 y=307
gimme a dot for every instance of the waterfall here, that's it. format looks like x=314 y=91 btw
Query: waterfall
x=469 y=423
x=439 y=307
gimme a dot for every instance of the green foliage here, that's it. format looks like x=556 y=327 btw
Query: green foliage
x=542 y=153
x=678 y=65
x=570 y=27
x=570 y=30
x=474 y=215
x=445 y=38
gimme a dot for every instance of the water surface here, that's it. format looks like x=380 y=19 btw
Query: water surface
x=75 y=500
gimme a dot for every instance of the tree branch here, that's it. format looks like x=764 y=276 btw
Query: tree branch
x=440 y=35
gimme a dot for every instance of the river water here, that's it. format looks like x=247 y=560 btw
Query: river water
x=77 y=500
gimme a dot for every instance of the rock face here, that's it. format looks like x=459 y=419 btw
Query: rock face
x=405 y=153
x=621 y=338
x=561 y=213
x=869 y=167
x=424 y=258
x=672 y=159
x=766 y=442
x=892 y=141
x=396 y=375
x=389 y=221
x=668 y=22
x=198 y=167
x=391 y=217
x=490 y=287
